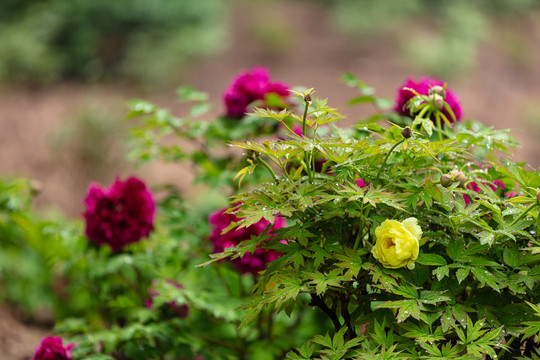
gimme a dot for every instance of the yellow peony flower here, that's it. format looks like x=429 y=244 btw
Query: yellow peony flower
x=397 y=243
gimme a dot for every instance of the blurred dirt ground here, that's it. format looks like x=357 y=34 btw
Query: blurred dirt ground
x=311 y=54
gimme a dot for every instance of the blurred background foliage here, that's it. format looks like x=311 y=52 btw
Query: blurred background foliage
x=439 y=37
x=143 y=41
x=149 y=42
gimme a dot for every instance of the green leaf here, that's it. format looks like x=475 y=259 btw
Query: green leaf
x=447 y=321
x=431 y=259
x=485 y=277
x=486 y=237
x=406 y=308
x=433 y=191
x=461 y=274
x=188 y=93
x=441 y=272
x=511 y=257
x=433 y=297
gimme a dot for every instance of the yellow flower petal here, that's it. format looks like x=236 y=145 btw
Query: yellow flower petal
x=397 y=243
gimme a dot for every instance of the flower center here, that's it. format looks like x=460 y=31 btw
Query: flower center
x=388 y=243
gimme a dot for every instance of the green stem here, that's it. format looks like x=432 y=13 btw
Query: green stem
x=214 y=341
x=304 y=119
x=265 y=164
x=306 y=156
x=386 y=158
x=532 y=206
x=439 y=127
x=223 y=280
x=421 y=114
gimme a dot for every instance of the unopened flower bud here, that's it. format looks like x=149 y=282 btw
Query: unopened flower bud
x=406 y=132
x=458 y=175
x=35 y=188
x=307 y=98
x=437 y=100
x=252 y=155
x=538 y=196
x=437 y=90
x=446 y=180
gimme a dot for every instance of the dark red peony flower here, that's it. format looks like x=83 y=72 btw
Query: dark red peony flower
x=119 y=215
x=248 y=87
x=422 y=87
x=252 y=263
x=52 y=348
x=182 y=311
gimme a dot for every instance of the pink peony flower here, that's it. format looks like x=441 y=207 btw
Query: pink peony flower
x=497 y=184
x=297 y=129
x=52 y=348
x=248 y=87
x=119 y=215
x=422 y=87
x=182 y=311
x=251 y=263
x=361 y=183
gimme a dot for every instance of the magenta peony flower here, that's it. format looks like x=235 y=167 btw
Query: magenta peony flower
x=182 y=311
x=119 y=215
x=497 y=184
x=52 y=348
x=249 y=87
x=361 y=183
x=422 y=87
x=251 y=263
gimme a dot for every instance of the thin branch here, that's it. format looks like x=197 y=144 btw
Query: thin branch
x=318 y=301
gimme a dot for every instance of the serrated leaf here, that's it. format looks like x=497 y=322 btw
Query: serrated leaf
x=412 y=308
x=511 y=256
x=431 y=259
x=485 y=277
x=441 y=272
x=461 y=274
x=447 y=321
x=486 y=237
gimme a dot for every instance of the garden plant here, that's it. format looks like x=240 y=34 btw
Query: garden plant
x=411 y=234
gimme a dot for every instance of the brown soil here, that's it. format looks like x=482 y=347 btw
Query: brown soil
x=17 y=341
x=299 y=44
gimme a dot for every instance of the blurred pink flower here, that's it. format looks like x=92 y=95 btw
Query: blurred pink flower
x=182 y=311
x=495 y=185
x=422 y=87
x=52 y=348
x=361 y=183
x=119 y=215
x=252 y=263
x=248 y=87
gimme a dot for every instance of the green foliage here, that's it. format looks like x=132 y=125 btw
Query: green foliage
x=455 y=28
x=472 y=293
x=161 y=135
x=27 y=250
x=144 y=41
x=477 y=249
x=112 y=317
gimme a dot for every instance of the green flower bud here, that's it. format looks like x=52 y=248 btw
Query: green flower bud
x=252 y=156
x=35 y=188
x=437 y=90
x=307 y=98
x=458 y=175
x=446 y=180
x=437 y=100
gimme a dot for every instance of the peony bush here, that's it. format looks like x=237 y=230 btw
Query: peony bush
x=411 y=234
